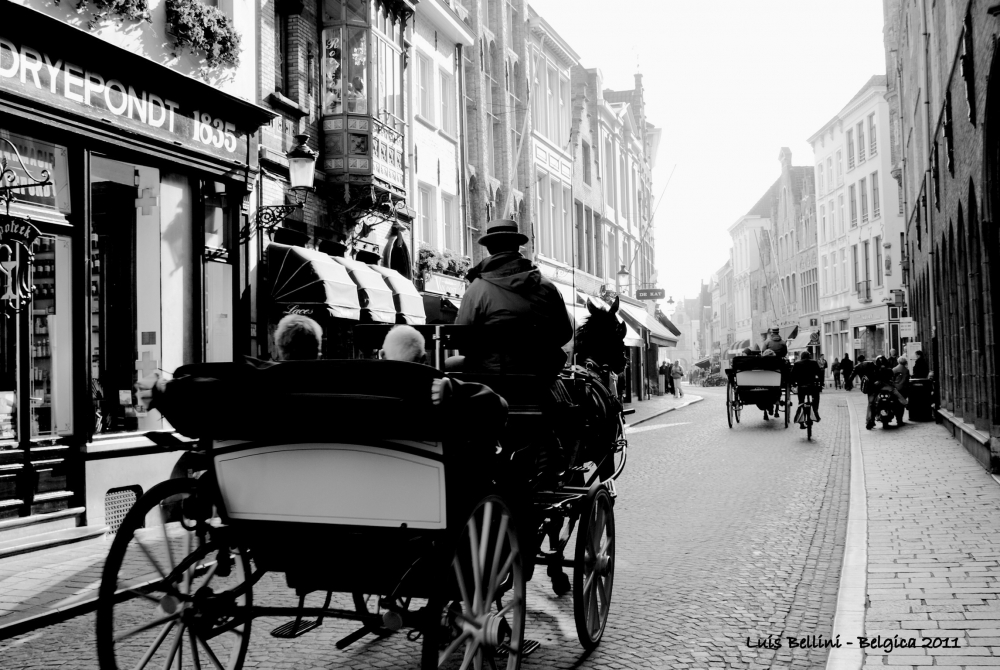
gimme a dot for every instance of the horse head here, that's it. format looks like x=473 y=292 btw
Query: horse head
x=601 y=338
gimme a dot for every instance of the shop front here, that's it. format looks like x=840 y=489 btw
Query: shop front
x=134 y=179
x=874 y=331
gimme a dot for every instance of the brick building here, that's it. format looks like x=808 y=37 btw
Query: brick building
x=944 y=91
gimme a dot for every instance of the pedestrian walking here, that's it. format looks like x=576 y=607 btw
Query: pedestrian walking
x=846 y=369
x=668 y=379
x=677 y=372
x=823 y=365
x=835 y=369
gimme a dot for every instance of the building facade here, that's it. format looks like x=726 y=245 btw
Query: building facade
x=151 y=162
x=944 y=91
x=861 y=229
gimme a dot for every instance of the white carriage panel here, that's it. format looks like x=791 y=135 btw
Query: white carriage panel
x=758 y=378
x=333 y=483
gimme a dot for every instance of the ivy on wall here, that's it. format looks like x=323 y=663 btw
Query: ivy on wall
x=196 y=26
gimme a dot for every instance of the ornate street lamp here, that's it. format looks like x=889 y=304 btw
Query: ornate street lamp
x=301 y=176
x=623 y=276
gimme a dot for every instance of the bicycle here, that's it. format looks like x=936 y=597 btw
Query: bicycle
x=805 y=415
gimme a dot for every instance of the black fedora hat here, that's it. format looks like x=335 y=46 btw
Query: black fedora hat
x=502 y=230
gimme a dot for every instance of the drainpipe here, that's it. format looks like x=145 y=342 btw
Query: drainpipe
x=463 y=195
x=928 y=177
x=410 y=147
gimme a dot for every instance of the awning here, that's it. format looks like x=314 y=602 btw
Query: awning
x=632 y=338
x=704 y=363
x=738 y=348
x=805 y=338
x=407 y=300
x=668 y=324
x=374 y=295
x=658 y=334
x=311 y=283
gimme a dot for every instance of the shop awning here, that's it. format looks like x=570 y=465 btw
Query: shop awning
x=704 y=363
x=407 y=300
x=374 y=295
x=632 y=338
x=311 y=283
x=640 y=318
x=805 y=338
x=738 y=348
x=668 y=324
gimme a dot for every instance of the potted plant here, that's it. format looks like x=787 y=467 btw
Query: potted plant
x=197 y=26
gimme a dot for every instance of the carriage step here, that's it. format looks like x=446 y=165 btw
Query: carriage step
x=530 y=646
x=295 y=628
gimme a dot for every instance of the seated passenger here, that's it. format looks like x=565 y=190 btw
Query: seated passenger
x=296 y=338
x=776 y=344
x=477 y=404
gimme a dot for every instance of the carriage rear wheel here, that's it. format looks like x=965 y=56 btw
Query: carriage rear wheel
x=594 y=568
x=168 y=595
x=788 y=404
x=485 y=628
x=730 y=404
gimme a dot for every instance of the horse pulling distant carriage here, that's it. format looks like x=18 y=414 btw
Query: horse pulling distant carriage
x=428 y=527
x=764 y=381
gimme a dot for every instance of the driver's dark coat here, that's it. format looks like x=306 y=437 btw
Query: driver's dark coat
x=529 y=319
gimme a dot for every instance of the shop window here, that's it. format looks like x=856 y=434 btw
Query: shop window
x=50 y=338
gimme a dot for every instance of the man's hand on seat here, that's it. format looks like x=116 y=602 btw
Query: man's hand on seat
x=440 y=390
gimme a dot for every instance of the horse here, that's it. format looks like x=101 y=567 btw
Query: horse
x=599 y=350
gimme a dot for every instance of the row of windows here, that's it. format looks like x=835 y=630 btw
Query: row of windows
x=858 y=194
x=864 y=274
x=436 y=100
x=551 y=105
x=438 y=219
x=857 y=151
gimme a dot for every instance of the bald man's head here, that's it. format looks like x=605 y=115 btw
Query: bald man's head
x=404 y=343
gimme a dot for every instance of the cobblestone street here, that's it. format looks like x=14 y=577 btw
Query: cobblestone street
x=724 y=536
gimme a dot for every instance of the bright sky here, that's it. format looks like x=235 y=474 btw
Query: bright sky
x=730 y=82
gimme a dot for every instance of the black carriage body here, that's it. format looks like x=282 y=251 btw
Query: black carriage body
x=280 y=432
x=759 y=380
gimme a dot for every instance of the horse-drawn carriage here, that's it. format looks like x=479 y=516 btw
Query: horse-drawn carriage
x=346 y=477
x=764 y=381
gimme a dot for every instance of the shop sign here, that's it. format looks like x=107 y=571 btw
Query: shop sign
x=857 y=343
x=869 y=317
x=15 y=270
x=906 y=328
x=38 y=156
x=96 y=91
x=650 y=294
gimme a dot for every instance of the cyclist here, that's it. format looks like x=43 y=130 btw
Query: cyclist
x=808 y=376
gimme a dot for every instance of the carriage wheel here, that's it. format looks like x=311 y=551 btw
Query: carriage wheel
x=730 y=402
x=367 y=604
x=788 y=404
x=485 y=629
x=167 y=592
x=594 y=569
x=613 y=461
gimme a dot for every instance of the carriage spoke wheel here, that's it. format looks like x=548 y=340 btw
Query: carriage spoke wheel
x=168 y=594
x=730 y=404
x=485 y=628
x=594 y=569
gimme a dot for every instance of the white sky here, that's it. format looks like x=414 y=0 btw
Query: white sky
x=730 y=82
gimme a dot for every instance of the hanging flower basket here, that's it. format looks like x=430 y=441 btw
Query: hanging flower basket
x=126 y=10
x=203 y=28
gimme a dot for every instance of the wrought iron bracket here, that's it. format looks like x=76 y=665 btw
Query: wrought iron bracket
x=268 y=218
x=8 y=178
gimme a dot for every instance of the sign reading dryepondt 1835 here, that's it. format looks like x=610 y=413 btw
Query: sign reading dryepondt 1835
x=650 y=294
x=97 y=93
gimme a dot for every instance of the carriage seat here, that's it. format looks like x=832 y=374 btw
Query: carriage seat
x=759 y=371
x=344 y=442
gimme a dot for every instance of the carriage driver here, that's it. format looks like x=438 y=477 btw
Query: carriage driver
x=508 y=290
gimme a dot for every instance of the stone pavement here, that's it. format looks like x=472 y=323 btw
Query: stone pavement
x=657 y=405
x=933 y=571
